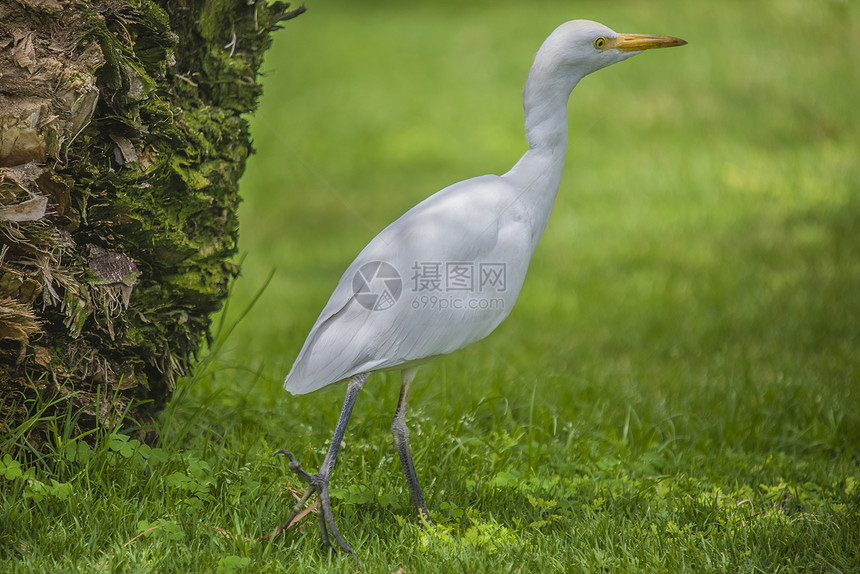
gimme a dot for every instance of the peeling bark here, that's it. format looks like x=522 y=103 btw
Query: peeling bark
x=121 y=145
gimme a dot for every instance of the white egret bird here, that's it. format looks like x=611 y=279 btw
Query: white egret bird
x=448 y=271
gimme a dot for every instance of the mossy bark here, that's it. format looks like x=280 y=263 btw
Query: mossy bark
x=121 y=144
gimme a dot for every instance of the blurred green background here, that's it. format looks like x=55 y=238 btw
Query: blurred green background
x=704 y=234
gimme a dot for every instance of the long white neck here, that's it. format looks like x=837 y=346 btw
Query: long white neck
x=538 y=172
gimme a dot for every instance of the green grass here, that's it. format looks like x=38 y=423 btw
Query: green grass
x=676 y=390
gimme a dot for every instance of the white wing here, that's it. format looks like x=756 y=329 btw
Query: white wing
x=473 y=222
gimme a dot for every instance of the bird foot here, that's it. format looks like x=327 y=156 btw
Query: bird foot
x=317 y=484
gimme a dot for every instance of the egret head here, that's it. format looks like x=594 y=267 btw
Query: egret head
x=580 y=47
x=572 y=51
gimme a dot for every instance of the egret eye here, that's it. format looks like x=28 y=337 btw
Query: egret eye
x=600 y=43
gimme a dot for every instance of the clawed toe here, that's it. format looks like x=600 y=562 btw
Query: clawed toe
x=317 y=483
x=313 y=486
x=295 y=466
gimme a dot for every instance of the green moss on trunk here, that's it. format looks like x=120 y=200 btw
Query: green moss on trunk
x=106 y=293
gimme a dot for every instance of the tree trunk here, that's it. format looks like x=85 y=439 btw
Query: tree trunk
x=121 y=144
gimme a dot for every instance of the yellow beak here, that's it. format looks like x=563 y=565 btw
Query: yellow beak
x=637 y=42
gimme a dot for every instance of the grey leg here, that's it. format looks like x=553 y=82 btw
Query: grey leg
x=318 y=483
x=401 y=440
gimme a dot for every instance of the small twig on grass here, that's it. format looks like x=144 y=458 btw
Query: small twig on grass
x=747 y=501
x=298 y=517
x=150 y=529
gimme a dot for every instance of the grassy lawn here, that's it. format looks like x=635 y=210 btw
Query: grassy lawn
x=678 y=388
